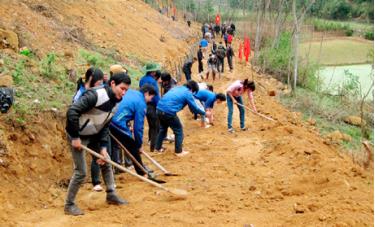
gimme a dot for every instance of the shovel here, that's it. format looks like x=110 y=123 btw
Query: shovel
x=178 y=192
x=135 y=161
x=166 y=172
x=256 y=113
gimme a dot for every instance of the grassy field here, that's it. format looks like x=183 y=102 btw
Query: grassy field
x=345 y=51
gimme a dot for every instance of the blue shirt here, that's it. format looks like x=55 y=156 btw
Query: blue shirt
x=148 y=79
x=79 y=93
x=132 y=107
x=176 y=99
x=206 y=96
x=203 y=43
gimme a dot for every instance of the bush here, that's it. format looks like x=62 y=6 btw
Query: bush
x=369 y=35
x=349 y=32
x=18 y=74
x=96 y=59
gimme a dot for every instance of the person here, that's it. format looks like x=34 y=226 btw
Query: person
x=189 y=23
x=87 y=124
x=223 y=30
x=168 y=107
x=132 y=108
x=214 y=47
x=152 y=71
x=187 y=68
x=200 y=61
x=230 y=54
x=167 y=82
x=204 y=45
x=220 y=53
x=208 y=99
x=234 y=96
x=212 y=66
x=226 y=39
x=94 y=77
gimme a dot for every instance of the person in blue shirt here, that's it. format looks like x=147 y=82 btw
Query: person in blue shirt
x=132 y=108
x=168 y=107
x=208 y=99
x=152 y=76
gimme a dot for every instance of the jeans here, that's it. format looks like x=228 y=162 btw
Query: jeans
x=172 y=121
x=230 y=111
x=220 y=65
x=80 y=171
x=130 y=145
x=230 y=62
x=153 y=125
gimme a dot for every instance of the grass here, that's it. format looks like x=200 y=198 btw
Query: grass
x=328 y=111
x=338 y=51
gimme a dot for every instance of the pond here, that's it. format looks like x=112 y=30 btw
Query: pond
x=334 y=77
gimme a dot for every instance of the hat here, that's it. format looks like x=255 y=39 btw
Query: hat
x=151 y=67
x=117 y=69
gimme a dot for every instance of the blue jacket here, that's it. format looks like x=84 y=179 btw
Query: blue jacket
x=148 y=79
x=79 y=93
x=132 y=107
x=206 y=96
x=176 y=99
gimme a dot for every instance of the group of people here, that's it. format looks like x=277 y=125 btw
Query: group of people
x=106 y=113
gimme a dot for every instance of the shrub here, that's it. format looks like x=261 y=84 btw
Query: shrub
x=369 y=35
x=349 y=32
x=18 y=74
x=48 y=67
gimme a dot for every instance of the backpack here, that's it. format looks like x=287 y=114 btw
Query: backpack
x=6 y=99
x=220 y=52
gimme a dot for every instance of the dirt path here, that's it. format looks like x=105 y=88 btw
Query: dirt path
x=274 y=174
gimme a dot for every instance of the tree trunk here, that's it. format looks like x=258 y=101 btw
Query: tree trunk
x=278 y=24
x=295 y=46
x=259 y=4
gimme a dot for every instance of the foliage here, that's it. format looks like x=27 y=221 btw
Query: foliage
x=47 y=66
x=18 y=74
x=369 y=35
x=95 y=59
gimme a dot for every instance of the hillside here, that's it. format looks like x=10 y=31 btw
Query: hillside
x=279 y=173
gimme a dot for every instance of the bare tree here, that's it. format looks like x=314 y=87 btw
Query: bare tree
x=281 y=16
x=297 y=23
x=261 y=7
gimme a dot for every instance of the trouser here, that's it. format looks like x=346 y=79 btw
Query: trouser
x=95 y=168
x=79 y=171
x=130 y=145
x=220 y=65
x=230 y=62
x=187 y=76
x=172 y=121
x=153 y=125
x=230 y=111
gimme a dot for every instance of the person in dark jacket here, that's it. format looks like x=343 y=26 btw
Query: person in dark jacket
x=211 y=66
x=87 y=124
x=167 y=82
x=220 y=53
x=168 y=107
x=187 y=68
x=152 y=76
x=230 y=55
x=132 y=108
x=200 y=61
x=93 y=78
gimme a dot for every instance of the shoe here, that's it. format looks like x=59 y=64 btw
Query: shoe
x=97 y=188
x=231 y=130
x=73 y=210
x=160 y=151
x=244 y=129
x=114 y=199
x=181 y=154
x=207 y=126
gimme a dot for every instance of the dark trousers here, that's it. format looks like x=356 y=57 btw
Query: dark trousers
x=230 y=62
x=200 y=66
x=172 y=121
x=220 y=64
x=153 y=125
x=187 y=76
x=95 y=168
x=130 y=145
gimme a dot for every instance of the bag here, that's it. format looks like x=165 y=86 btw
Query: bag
x=220 y=52
x=6 y=99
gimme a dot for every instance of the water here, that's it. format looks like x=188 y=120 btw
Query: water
x=334 y=76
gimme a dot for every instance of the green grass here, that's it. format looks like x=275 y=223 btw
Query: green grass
x=328 y=111
x=338 y=51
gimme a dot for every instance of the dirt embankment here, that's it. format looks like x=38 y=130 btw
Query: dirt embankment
x=276 y=174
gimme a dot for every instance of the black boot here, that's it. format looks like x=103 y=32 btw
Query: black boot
x=114 y=199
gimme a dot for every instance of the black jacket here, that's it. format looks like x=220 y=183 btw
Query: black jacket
x=90 y=115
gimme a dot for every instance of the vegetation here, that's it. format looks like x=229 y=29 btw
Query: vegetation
x=337 y=52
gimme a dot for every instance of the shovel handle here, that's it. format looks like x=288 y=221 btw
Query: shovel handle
x=259 y=114
x=128 y=153
x=126 y=170
x=155 y=162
